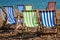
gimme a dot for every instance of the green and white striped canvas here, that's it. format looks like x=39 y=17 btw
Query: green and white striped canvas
x=30 y=18
x=28 y=7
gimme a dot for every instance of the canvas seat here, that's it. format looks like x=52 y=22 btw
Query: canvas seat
x=30 y=21
x=48 y=21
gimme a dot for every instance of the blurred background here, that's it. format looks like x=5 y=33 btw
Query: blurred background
x=37 y=4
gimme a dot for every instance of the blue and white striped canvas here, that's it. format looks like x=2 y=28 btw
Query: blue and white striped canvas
x=20 y=8
x=47 y=18
x=10 y=15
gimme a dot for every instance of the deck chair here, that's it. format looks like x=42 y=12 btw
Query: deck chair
x=48 y=20
x=51 y=5
x=30 y=21
x=19 y=17
x=10 y=15
x=28 y=7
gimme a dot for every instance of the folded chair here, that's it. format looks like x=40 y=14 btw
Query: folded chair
x=10 y=15
x=28 y=7
x=48 y=21
x=30 y=21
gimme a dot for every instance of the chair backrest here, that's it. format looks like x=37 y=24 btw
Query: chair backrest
x=30 y=18
x=20 y=8
x=28 y=7
x=47 y=18
x=51 y=5
x=10 y=14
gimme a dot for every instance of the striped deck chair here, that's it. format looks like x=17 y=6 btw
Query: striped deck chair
x=51 y=5
x=48 y=21
x=20 y=8
x=10 y=14
x=29 y=17
x=28 y=7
